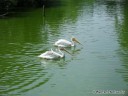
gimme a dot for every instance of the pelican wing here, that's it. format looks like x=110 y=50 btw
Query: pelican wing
x=63 y=43
x=46 y=54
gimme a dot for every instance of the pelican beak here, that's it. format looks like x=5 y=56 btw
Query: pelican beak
x=77 y=41
x=67 y=51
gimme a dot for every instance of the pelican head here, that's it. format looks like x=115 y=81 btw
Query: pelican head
x=75 y=40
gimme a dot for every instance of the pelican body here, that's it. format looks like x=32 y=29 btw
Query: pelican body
x=53 y=55
x=65 y=43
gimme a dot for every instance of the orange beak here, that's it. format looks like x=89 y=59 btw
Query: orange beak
x=77 y=41
x=66 y=51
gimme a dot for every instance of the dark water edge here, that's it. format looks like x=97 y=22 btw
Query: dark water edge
x=9 y=7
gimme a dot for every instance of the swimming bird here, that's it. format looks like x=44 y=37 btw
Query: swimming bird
x=66 y=43
x=50 y=55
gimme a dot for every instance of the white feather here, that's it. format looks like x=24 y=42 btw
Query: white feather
x=64 y=43
x=51 y=55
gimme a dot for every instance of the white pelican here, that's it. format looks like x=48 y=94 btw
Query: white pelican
x=50 y=55
x=66 y=43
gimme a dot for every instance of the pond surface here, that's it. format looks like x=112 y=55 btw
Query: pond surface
x=101 y=64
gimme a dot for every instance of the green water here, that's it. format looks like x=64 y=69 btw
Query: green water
x=100 y=64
